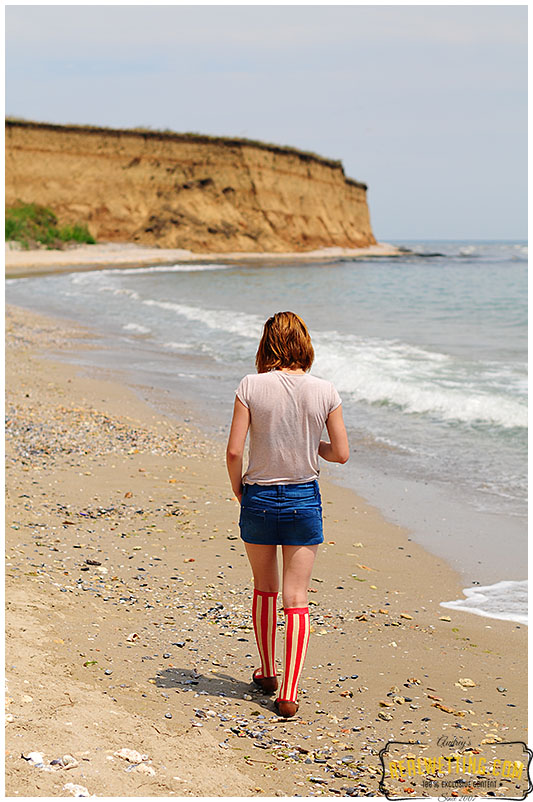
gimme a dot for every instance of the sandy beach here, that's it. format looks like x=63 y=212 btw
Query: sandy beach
x=21 y=262
x=117 y=513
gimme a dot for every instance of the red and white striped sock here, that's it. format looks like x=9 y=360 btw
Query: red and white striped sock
x=264 y=617
x=297 y=627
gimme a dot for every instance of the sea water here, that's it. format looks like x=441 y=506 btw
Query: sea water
x=427 y=349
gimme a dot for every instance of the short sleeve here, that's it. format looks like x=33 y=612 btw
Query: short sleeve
x=242 y=392
x=334 y=400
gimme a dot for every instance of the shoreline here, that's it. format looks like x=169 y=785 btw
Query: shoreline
x=375 y=607
x=23 y=263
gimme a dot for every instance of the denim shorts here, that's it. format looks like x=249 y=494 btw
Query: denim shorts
x=289 y=515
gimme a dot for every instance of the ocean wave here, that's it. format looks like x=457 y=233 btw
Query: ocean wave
x=136 y=327
x=376 y=371
x=241 y=323
x=187 y=348
x=178 y=268
x=387 y=372
x=505 y=600
x=418 y=381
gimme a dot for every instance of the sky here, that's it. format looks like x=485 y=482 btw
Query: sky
x=426 y=104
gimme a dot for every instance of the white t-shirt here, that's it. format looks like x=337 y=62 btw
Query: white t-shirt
x=288 y=412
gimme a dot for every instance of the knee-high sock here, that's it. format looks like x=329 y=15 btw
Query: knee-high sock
x=296 y=642
x=264 y=617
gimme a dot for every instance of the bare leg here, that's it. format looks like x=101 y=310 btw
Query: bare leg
x=298 y=564
x=264 y=564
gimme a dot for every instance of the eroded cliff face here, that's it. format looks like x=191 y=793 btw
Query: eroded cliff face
x=176 y=191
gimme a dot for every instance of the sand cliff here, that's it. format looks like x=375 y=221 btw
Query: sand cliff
x=200 y=193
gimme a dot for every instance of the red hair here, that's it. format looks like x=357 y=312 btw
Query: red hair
x=285 y=343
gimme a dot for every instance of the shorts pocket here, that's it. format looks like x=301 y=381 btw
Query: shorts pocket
x=253 y=525
x=305 y=526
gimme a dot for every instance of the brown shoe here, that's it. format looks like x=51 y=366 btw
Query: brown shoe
x=285 y=708
x=267 y=684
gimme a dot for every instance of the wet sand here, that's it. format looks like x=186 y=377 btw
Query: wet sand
x=128 y=613
x=31 y=262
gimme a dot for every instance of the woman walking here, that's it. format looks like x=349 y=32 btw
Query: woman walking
x=285 y=410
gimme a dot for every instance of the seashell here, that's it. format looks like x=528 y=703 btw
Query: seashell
x=35 y=758
x=142 y=768
x=76 y=790
x=466 y=682
x=133 y=636
x=131 y=755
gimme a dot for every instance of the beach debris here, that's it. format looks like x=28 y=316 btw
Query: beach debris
x=501 y=689
x=93 y=562
x=385 y=716
x=35 y=759
x=383 y=703
x=65 y=762
x=492 y=739
x=398 y=700
x=131 y=755
x=143 y=768
x=90 y=663
x=444 y=618
x=133 y=636
x=406 y=615
x=76 y=790
x=168 y=715
x=466 y=682
x=448 y=709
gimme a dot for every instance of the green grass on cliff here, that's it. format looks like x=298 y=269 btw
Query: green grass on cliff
x=31 y=224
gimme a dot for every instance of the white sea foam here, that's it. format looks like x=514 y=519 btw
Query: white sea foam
x=468 y=250
x=183 y=268
x=383 y=372
x=379 y=372
x=136 y=327
x=420 y=381
x=185 y=348
x=245 y=325
x=506 y=600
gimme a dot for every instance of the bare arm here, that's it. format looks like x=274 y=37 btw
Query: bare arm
x=235 y=449
x=337 y=450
